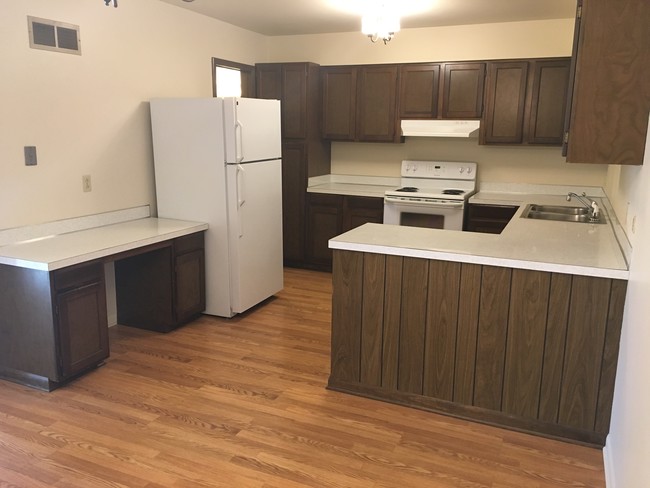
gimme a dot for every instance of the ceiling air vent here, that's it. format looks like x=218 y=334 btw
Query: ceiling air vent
x=53 y=36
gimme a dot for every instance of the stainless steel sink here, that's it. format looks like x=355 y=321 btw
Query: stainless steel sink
x=560 y=213
x=559 y=209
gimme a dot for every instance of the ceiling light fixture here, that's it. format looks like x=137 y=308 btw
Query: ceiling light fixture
x=108 y=2
x=380 y=24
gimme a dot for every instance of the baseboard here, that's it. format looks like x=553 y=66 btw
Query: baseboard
x=608 y=461
x=112 y=320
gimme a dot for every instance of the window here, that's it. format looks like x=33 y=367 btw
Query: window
x=232 y=79
x=228 y=82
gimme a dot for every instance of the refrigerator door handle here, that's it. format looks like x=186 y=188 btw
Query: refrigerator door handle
x=239 y=145
x=241 y=196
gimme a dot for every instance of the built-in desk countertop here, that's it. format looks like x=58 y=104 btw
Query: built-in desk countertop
x=58 y=251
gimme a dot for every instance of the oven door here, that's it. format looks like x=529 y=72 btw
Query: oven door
x=448 y=215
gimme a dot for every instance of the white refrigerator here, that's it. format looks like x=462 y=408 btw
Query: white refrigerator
x=218 y=160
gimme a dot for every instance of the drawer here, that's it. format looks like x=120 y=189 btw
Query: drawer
x=188 y=243
x=78 y=275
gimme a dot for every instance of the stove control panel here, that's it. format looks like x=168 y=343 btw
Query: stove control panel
x=444 y=170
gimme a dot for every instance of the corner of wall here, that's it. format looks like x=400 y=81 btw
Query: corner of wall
x=608 y=461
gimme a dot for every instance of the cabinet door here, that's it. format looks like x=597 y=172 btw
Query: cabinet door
x=463 y=90
x=324 y=221
x=294 y=101
x=505 y=102
x=82 y=327
x=376 y=98
x=189 y=289
x=418 y=94
x=339 y=103
x=294 y=183
x=362 y=210
x=611 y=93
x=548 y=101
x=268 y=77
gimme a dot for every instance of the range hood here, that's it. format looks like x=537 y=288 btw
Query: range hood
x=440 y=128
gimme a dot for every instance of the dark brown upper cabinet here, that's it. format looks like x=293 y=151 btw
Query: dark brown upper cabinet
x=376 y=103
x=418 y=92
x=610 y=102
x=268 y=80
x=525 y=102
x=287 y=82
x=339 y=102
x=505 y=102
x=462 y=91
x=548 y=101
x=441 y=90
x=359 y=103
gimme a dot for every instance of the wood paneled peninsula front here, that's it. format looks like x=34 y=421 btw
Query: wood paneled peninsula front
x=519 y=329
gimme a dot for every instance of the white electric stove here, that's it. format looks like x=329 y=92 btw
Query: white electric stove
x=432 y=194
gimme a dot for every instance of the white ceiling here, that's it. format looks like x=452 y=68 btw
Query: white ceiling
x=291 y=17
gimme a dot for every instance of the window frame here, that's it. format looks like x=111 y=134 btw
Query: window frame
x=247 y=76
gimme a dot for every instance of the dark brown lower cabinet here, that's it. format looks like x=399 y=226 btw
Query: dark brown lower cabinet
x=527 y=350
x=81 y=319
x=294 y=178
x=329 y=215
x=53 y=325
x=163 y=288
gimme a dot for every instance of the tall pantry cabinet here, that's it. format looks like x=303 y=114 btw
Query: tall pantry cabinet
x=304 y=153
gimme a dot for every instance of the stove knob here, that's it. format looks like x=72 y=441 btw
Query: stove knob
x=462 y=170
x=469 y=170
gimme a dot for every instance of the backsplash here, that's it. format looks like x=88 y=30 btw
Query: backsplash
x=516 y=164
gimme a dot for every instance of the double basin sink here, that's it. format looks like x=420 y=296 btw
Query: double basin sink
x=561 y=213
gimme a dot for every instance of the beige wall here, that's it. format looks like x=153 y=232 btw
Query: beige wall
x=89 y=114
x=538 y=165
x=628 y=444
x=457 y=43
x=471 y=42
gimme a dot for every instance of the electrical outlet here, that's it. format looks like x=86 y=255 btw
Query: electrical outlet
x=86 y=184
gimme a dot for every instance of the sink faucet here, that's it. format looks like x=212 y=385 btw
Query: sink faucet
x=591 y=205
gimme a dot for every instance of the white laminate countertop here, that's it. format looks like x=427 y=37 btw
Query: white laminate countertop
x=561 y=247
x=360 y=186
x=58 y=251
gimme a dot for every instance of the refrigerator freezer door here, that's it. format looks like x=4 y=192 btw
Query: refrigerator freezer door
x=252 y=129
x=255 y=225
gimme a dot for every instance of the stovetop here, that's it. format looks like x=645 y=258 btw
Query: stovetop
x=436 y=179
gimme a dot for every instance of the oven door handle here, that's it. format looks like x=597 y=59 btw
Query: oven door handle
x=424 y=204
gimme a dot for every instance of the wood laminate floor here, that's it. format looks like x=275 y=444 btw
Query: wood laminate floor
x=242 y=403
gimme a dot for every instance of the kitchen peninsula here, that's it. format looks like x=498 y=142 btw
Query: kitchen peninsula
x=519 y=329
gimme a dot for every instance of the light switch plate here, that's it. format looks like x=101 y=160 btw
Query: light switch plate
x=30 y=156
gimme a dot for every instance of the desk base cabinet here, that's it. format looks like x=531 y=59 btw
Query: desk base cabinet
x=164 y=288
x=81 y=318
x=54 y=326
